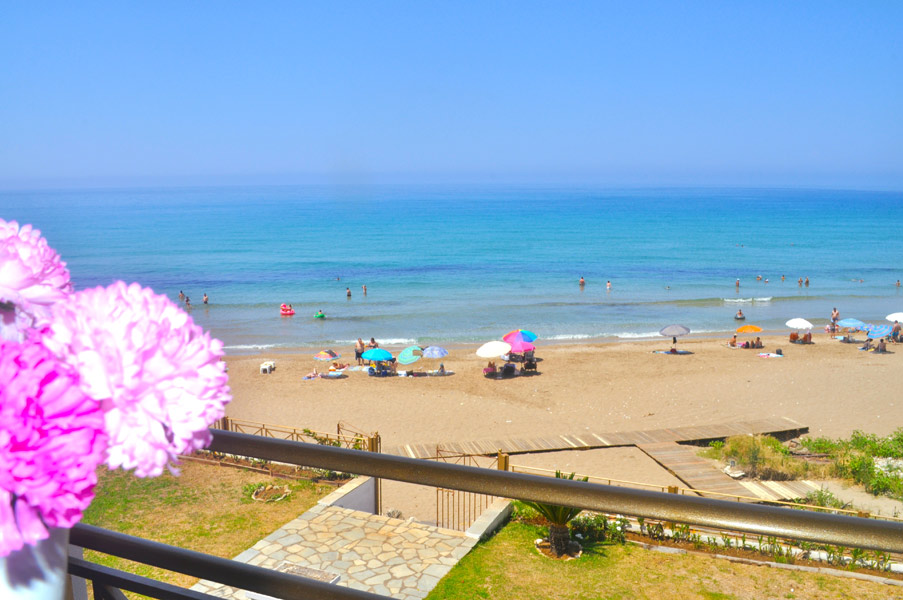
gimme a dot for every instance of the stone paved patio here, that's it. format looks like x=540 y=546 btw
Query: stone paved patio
x=391 y=557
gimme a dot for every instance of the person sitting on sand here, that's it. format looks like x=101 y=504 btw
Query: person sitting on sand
x=807 y=339
x=441 y=370
x=733 y=341
x=759 y=343
x=867 y=345
x=490 y=368
x=794 y=337
x=358 y=350
x=882 y=346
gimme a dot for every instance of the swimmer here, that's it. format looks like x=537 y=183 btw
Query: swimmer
x=740 y=314
x=319 y=315
x=898 y=283
x=182 y=295
x=807 y=282
x=782 y=278
x=187 y=302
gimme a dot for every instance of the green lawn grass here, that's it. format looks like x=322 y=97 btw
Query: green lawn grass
x=207 y=508
x=508 y=567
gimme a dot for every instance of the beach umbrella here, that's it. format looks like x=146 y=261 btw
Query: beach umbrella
x=851 y=323
x=674 y=331
x=434 y=352
x=798 y=323
x=878 y=331
x=407 y=356
x=519 y=346
x=895 y=317
x=493 y=349
x=749 y=329
x=377 y=354
x=520 y=334
x=326 y=355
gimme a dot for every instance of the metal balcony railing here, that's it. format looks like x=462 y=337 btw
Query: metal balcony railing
x=800 y=525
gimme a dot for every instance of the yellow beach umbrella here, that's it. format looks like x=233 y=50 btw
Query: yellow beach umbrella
x=749 y=329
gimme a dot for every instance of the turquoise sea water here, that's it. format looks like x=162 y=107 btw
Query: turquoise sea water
x=447 y=264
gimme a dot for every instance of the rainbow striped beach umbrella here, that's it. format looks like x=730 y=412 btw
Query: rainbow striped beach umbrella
x=519 y=335
x=326 y=355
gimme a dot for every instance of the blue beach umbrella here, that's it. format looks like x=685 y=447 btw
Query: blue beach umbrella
x=851 y=323
x=407 y=356
x=878 y=331
x=434 y=352
x=377 y=354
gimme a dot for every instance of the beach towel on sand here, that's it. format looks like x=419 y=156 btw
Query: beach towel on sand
x=770 y=355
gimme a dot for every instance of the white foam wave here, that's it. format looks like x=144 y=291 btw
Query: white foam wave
x=575 y=336
x=747 y=300
x=250 y=346
x=396 y=341
x=635 y=335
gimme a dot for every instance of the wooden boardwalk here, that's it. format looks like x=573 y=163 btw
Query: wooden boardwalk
x=695 y=472
x=778 y=426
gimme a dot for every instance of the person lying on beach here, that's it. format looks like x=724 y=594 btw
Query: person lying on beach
x=337 y=367
x=313 y=374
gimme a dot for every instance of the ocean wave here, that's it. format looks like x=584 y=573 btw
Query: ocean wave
x=635 y=335
x=747 y=300
x=250 y=346
x=572 y=336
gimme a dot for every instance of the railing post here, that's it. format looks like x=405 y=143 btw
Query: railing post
x=374 y=444
x=672 y=489
x=503 y=462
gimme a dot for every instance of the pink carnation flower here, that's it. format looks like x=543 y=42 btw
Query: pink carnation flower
x=157 y=374
x=51 y=441
x=32 y=278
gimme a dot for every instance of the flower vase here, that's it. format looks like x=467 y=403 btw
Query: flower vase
x=37 y=572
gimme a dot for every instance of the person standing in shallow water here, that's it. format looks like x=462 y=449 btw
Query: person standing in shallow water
x=181 y=296
x=206 y=298
x=582 y=281
x=348 y=292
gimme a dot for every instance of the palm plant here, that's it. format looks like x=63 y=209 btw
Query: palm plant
x=558 y=518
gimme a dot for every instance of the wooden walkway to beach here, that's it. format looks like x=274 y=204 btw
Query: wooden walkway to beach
x=778 y=426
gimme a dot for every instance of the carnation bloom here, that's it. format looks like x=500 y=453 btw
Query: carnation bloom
x=32 y=278
x=158 y=375
x=51 y=441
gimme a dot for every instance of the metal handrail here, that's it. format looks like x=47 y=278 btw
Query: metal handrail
x=808 y=526
x=205 y=566
x=738 y=498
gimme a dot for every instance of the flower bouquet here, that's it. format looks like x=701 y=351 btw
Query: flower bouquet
x=116 y=375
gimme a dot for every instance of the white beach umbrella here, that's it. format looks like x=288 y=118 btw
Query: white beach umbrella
x=798 y=323
x=493 y=349
x=895 y=317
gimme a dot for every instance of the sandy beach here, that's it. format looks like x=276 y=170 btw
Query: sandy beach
x=832 y=388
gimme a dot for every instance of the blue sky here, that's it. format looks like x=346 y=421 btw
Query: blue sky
x=648 y=93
